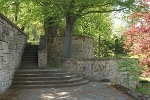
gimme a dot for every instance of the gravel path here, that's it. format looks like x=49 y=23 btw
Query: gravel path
x=90 y=91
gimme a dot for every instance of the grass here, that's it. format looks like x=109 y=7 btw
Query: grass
x=55 y=66
x=144 y=88
x=144 y=85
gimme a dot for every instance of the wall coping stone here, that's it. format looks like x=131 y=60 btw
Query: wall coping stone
x=94 y=59
x=10 y=22
x=79 y=36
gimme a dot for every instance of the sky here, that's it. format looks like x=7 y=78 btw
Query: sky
x=119 y=25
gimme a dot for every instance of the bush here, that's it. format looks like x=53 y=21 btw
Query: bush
x=130 y=68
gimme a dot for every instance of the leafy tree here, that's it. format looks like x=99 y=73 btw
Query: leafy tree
x=138 y=34
x=52 y=13
x=97 y=26
x=75 y=9
x=49 y=15
x=23 y=13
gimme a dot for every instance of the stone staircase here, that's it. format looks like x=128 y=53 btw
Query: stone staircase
x=31 y=76
x=30 y=57
x=42 y=78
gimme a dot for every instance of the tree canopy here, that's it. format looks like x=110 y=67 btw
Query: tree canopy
x=138 y=34
x=67 y=16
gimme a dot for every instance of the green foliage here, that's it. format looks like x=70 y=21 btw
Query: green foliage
x=91 y=18
x=144 y=88
x=143 y=69
x=130 y=68
x=95 y=25
x=23 y=13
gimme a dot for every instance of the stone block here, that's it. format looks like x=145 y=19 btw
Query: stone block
x=2 y=20
x=1 y=28
x=11 y=34
x=6 y=77
x=9 y=26
x=11 y=46
x=6 y=38
x=5 y=22
x=2 y=37
x=1 y=63
x=3 y=88
x=5 y=47
x=2 y=80
x=4 y=29
x=11 y=74
x=1 y=45
x=1 y=53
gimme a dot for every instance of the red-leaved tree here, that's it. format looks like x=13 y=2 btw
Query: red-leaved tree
x=138 y=35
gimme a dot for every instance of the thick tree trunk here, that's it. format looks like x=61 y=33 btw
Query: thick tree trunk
x=99 y=48
x=68 y=36
x=50 y=27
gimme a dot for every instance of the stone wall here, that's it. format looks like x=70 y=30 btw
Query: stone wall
x=42 y=52
x=82 y=47
x=97 y=69
x=12 y=43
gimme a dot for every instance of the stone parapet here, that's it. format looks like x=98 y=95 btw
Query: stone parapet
x=42 y=52
x=12 y=44
x=97 y=69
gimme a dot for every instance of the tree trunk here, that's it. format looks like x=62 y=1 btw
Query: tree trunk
x=50 y=27
x=99 y=48
x=68 y=36
x=116 y=47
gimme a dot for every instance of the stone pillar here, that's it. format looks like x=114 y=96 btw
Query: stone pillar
x=42 y=52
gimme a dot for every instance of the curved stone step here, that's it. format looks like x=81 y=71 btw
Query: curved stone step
x=39 y=82
x=42 y=75
x=42 y=78
x=51 y=85
x=39 y=71
x=42 y=70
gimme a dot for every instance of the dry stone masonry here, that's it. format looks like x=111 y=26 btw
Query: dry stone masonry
x=82 y=62
x=51 y=49
x=97 y=69
x=12 y=44
x=42 y=52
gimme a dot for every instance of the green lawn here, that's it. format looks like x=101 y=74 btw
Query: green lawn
x=144 y=88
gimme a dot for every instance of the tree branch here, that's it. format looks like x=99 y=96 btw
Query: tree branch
x=91 y=5
x=104 y=11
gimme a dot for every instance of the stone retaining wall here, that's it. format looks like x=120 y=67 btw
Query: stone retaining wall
x=52 y=49
x=97 y=69
x=12 y=44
